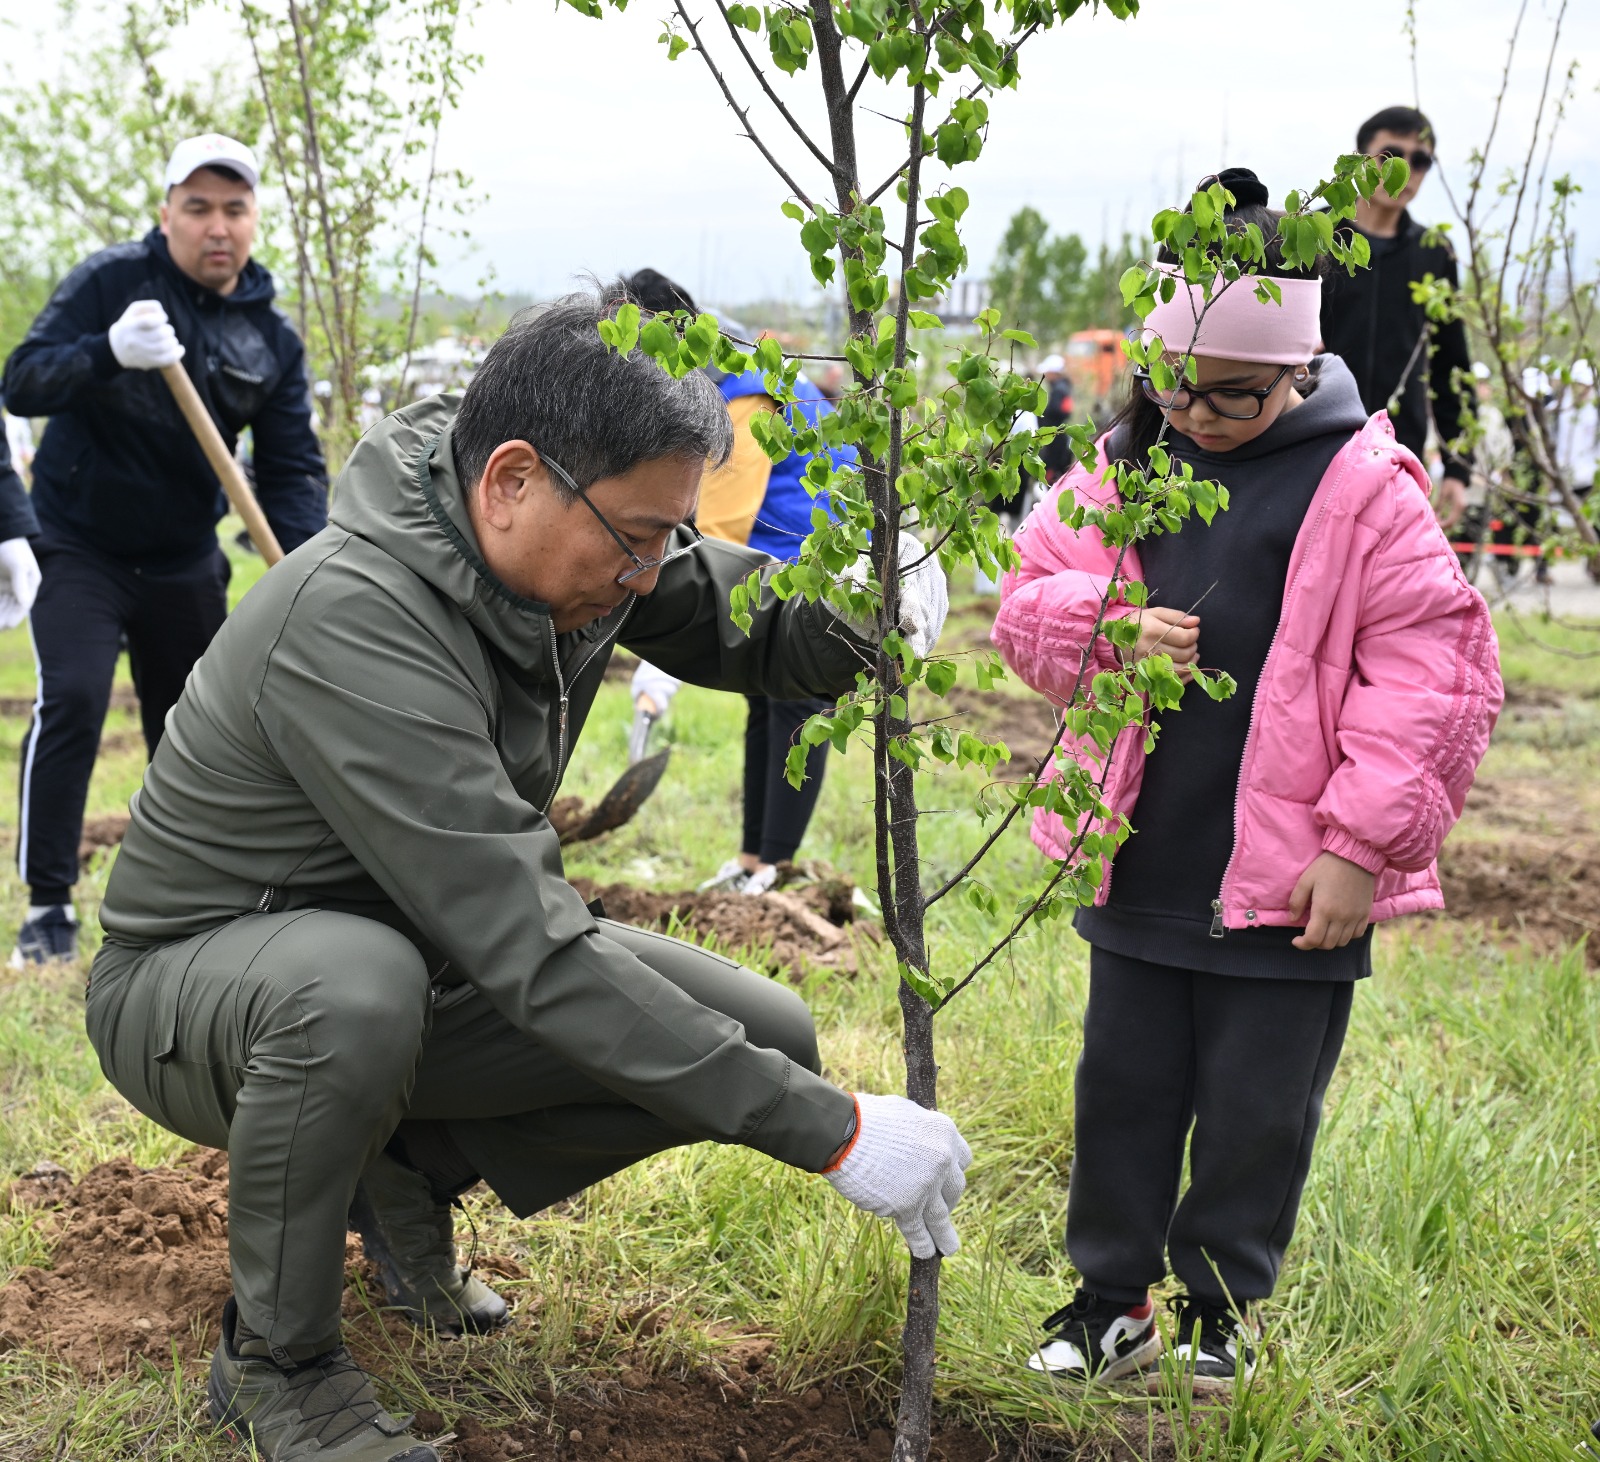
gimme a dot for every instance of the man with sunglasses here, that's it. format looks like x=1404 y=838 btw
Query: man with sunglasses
x=1403 y=362
x=339 y=940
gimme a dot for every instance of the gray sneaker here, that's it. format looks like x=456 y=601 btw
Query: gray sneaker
x=324 y=1408
x=410 y=1236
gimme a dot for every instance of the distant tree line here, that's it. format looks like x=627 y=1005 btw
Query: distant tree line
x=1048 y=285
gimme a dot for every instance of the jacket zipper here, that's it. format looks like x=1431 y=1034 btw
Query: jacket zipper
x=561 y=691
x=1217 y=929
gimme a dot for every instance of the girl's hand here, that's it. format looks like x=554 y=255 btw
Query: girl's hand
x=1339 y=895
x=1168 y=632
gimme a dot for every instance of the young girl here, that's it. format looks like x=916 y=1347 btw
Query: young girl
x=1271 y=830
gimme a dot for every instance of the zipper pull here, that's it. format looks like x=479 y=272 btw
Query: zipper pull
x=563 y=724
x=1216 y=919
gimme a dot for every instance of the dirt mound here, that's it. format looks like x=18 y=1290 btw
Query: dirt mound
x=141 y=1264
x=102 y=832
x=1025 y=723
x=1542 y=889
x=790 y=930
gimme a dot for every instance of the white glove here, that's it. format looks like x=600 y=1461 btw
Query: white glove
x=908 y=1164
x=143 y=339
x=19 y=581
x=654 y=682
x=924 y=596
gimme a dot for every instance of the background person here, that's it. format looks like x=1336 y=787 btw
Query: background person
x=1270 y=830
x=1057 y=456
x=339 y=939
x=1370 y=321
x=126 y=502
x=19 y=570
x=751 y=500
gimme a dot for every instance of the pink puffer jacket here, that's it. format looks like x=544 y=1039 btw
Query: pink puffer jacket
x=1374 y=706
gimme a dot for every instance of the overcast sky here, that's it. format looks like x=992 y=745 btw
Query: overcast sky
x=595 y=153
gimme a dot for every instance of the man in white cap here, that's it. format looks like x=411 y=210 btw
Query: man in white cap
x=1057 y=455
x=126 y=503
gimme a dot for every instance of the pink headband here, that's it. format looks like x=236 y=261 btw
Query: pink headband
x=1238 y=326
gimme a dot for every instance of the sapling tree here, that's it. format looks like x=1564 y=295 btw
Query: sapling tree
x=928 y=464
x=1527 y=295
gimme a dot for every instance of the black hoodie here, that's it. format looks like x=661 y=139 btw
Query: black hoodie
x=1371 y=322
x=118 y=469
x=16 y=514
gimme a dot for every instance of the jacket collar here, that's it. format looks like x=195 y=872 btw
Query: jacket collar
x=255 y=286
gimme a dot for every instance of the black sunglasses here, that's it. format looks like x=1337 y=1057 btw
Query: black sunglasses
x=1419 y=158
x=640 y=565
x=1243 y=403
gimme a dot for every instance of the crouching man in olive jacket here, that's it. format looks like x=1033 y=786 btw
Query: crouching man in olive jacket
x=339 y=942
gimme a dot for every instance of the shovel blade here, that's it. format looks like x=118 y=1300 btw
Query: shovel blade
x=627 y=795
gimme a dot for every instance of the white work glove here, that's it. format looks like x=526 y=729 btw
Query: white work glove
x=924 y=596
x=19 y=581
x=908 y=1164
x=654 y=682
x=143 y=339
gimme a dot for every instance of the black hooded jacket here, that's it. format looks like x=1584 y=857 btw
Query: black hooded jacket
x=16 y=512
x=118 y=468
x=1371 y=322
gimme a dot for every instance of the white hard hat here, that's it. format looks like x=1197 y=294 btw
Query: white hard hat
x=1480 y=370
x=211 y=149
x=1582 y=372
x=1535 y=382
x=1055 y=361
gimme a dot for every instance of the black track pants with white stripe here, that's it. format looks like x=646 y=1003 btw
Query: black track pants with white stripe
x=87 y=606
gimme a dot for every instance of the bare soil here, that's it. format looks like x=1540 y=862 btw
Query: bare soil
x=140 y=1268
x=788 y=931
x=140 y=1272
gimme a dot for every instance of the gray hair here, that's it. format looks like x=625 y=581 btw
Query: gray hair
x=551 y=381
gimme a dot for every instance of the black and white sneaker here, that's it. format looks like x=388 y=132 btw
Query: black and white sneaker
x=1211 y=1344
x=1098 y=1340
x=48 y=933
x=1592 y=1449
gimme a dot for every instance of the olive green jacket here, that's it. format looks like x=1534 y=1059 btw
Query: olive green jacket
x=380 y=728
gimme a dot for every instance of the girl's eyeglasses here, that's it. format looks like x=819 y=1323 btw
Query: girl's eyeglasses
x=640 y=565
x=1419 y=158
x=1237 y=403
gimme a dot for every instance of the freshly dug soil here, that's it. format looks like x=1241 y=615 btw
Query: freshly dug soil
x=731 y=1415
x=1025 y=723
x=785 y=932
x=102 y=832
x=141 y=1264
x=1542 y=890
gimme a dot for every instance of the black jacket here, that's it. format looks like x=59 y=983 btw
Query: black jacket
x=16 y=512
x=1371 y=321
x=118 y=468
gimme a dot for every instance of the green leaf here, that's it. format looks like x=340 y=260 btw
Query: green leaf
x=1021 y=337
x=923 y=320
x=1396 y=174
x=793 y=210
x=939 y=676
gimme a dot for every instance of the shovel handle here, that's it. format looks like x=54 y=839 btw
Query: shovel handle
x=234 y=483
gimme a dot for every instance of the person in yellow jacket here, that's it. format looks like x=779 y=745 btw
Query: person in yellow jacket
x=765 y=505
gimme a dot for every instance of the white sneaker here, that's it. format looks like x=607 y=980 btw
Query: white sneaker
x=761 y=880
x=730 y=878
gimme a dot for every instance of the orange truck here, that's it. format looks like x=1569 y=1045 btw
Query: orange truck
x=1095 y=364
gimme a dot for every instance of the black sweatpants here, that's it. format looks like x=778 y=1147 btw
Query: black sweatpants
x=775 y=814
x=87 y=604
x=1246 y=1063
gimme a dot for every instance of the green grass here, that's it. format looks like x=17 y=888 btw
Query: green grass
x=1441 y=1299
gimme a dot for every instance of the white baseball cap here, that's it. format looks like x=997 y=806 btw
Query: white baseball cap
x=210 y=150
x=1052 y=362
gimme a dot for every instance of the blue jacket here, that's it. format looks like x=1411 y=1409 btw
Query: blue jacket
x=118 y=469
x=784 y=517
x=16 y=512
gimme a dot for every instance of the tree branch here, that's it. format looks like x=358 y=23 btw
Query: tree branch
x=761 y=76
x=740 y=112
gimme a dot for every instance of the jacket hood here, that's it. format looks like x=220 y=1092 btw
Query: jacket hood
x=255 y=286
x=399 y=491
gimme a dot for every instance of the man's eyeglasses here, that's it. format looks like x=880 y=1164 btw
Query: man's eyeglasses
x=640 y=565
x=1418 y=158
x=1237 y=403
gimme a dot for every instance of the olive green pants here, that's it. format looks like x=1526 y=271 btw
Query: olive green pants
x=299 y=1042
